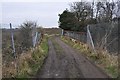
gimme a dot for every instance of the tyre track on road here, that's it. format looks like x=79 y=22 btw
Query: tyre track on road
x=88 y=69
x=65 y=62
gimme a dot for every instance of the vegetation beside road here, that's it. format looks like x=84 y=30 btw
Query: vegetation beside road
x=28 y=57
x=107 y=62
x=33 y=61
x=28 y=62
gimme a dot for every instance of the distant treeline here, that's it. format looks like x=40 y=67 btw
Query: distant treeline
x=81 y=14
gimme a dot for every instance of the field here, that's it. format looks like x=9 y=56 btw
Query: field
x=52 y=31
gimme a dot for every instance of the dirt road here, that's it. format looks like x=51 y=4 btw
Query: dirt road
x=65 y=62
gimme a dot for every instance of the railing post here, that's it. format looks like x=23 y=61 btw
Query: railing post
x=91 y=40
x=12 y=38
x=13 y=46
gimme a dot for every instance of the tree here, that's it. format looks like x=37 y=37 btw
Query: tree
x=118 y=9
x=26 y=34
x=105 y=11
x=67 y=20
x=82 y=10
x=83 y=13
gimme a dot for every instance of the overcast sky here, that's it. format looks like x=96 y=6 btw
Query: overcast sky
x=44 y=13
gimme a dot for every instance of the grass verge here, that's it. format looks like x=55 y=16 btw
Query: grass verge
x=107 y=62
x=30 y=62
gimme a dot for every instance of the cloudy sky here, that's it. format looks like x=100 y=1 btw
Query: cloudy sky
x=44 y=12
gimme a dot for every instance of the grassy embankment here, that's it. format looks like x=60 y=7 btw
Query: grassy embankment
x=29 y=62
x=103 y=59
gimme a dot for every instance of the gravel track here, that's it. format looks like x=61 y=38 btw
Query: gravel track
x=65 y=62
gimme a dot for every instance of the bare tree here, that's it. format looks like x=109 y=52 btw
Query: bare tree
x=82 y=10
x=105 y=11
x=27 y=30
x=118 y=9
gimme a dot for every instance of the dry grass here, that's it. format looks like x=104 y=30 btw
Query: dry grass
x=27 y=63
x=103 y=59
x=51 y=31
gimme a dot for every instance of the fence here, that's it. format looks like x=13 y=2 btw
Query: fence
x=81 y=36
x=105 y=36
x=12 y=44
x=36 y=37
x=99 y=36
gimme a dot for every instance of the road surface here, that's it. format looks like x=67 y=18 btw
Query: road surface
x=65 y=62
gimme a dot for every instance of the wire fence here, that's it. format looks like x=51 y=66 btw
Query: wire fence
x=13 y=37
x=105 y=36
x=102 y=36
x=80 y=36
x=13 y=44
